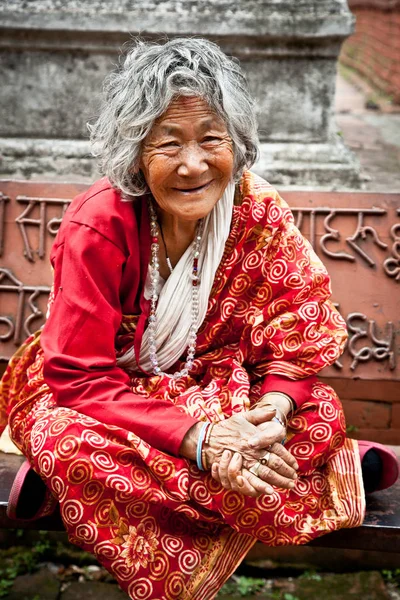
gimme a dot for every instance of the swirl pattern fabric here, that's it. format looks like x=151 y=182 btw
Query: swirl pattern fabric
x=163 y=528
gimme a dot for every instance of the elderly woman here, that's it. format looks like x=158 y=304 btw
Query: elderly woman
x=170 y=403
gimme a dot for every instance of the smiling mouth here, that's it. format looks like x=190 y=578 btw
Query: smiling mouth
x=194 y=189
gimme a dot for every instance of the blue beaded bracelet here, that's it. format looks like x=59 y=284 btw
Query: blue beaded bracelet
x=200 y=445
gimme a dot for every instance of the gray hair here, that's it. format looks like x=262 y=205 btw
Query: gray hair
x=141 y=90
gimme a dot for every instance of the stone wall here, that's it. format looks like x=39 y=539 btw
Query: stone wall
x=55 y=54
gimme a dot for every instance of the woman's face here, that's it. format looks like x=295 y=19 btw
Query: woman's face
x=187 y=159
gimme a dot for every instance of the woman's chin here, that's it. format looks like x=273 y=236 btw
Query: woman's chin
x=195 y=214
x=190 y=209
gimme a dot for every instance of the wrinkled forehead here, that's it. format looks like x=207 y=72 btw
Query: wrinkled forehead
x=185 y=110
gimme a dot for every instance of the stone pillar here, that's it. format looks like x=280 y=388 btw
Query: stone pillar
x=54 y=56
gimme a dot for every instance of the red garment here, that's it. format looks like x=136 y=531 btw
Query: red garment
x=163 y=528
x=100 y=258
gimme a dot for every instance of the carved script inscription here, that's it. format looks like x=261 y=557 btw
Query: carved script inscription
x=3 y=200
x=392 y=264
x=23 y=324
x=41 y=221
x=376 y=348
x=362 y=231
x=35 y=214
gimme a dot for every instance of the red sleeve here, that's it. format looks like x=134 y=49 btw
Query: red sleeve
x=299 y=390
x=78 y=343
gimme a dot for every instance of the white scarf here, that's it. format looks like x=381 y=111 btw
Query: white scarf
x=174 y=308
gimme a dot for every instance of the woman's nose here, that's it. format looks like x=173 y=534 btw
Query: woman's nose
x=192 y=161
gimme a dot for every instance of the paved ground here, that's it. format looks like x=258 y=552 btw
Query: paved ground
x=372 y=134
x=52 y=581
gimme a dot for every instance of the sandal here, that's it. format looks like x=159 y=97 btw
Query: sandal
x=389 y=464
x=29 y=498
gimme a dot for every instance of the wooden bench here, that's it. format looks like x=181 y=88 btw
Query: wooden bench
x=357 y=235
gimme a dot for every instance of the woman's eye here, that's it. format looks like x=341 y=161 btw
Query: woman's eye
x=169 y=145
x=211 y=138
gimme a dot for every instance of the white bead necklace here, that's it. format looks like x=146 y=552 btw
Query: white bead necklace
x=154 y=279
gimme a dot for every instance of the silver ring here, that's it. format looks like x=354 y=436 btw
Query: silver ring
x=265 y=459
x=255 y=469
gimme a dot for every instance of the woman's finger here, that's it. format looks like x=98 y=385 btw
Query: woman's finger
x=234 y=470
x=237 y=481
x=256 y=416
x=215 y=472
x=270 y=476
x=223 y=469
x=267 y=434
x=244 y=486
x=285 y=455
x=260 y=486
x=277 y=464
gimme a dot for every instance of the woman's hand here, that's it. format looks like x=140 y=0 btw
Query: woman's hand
x=280 y=472
x=241 y=433
x=233 y=452
x=229 y=472
x=237 y=444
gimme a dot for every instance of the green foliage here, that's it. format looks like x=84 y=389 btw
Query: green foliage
x=391 y=576
x=19 y=561
x=5 y=585
x=351 y=429
x=311 y=576
x=249 y=585
x=243 y=586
